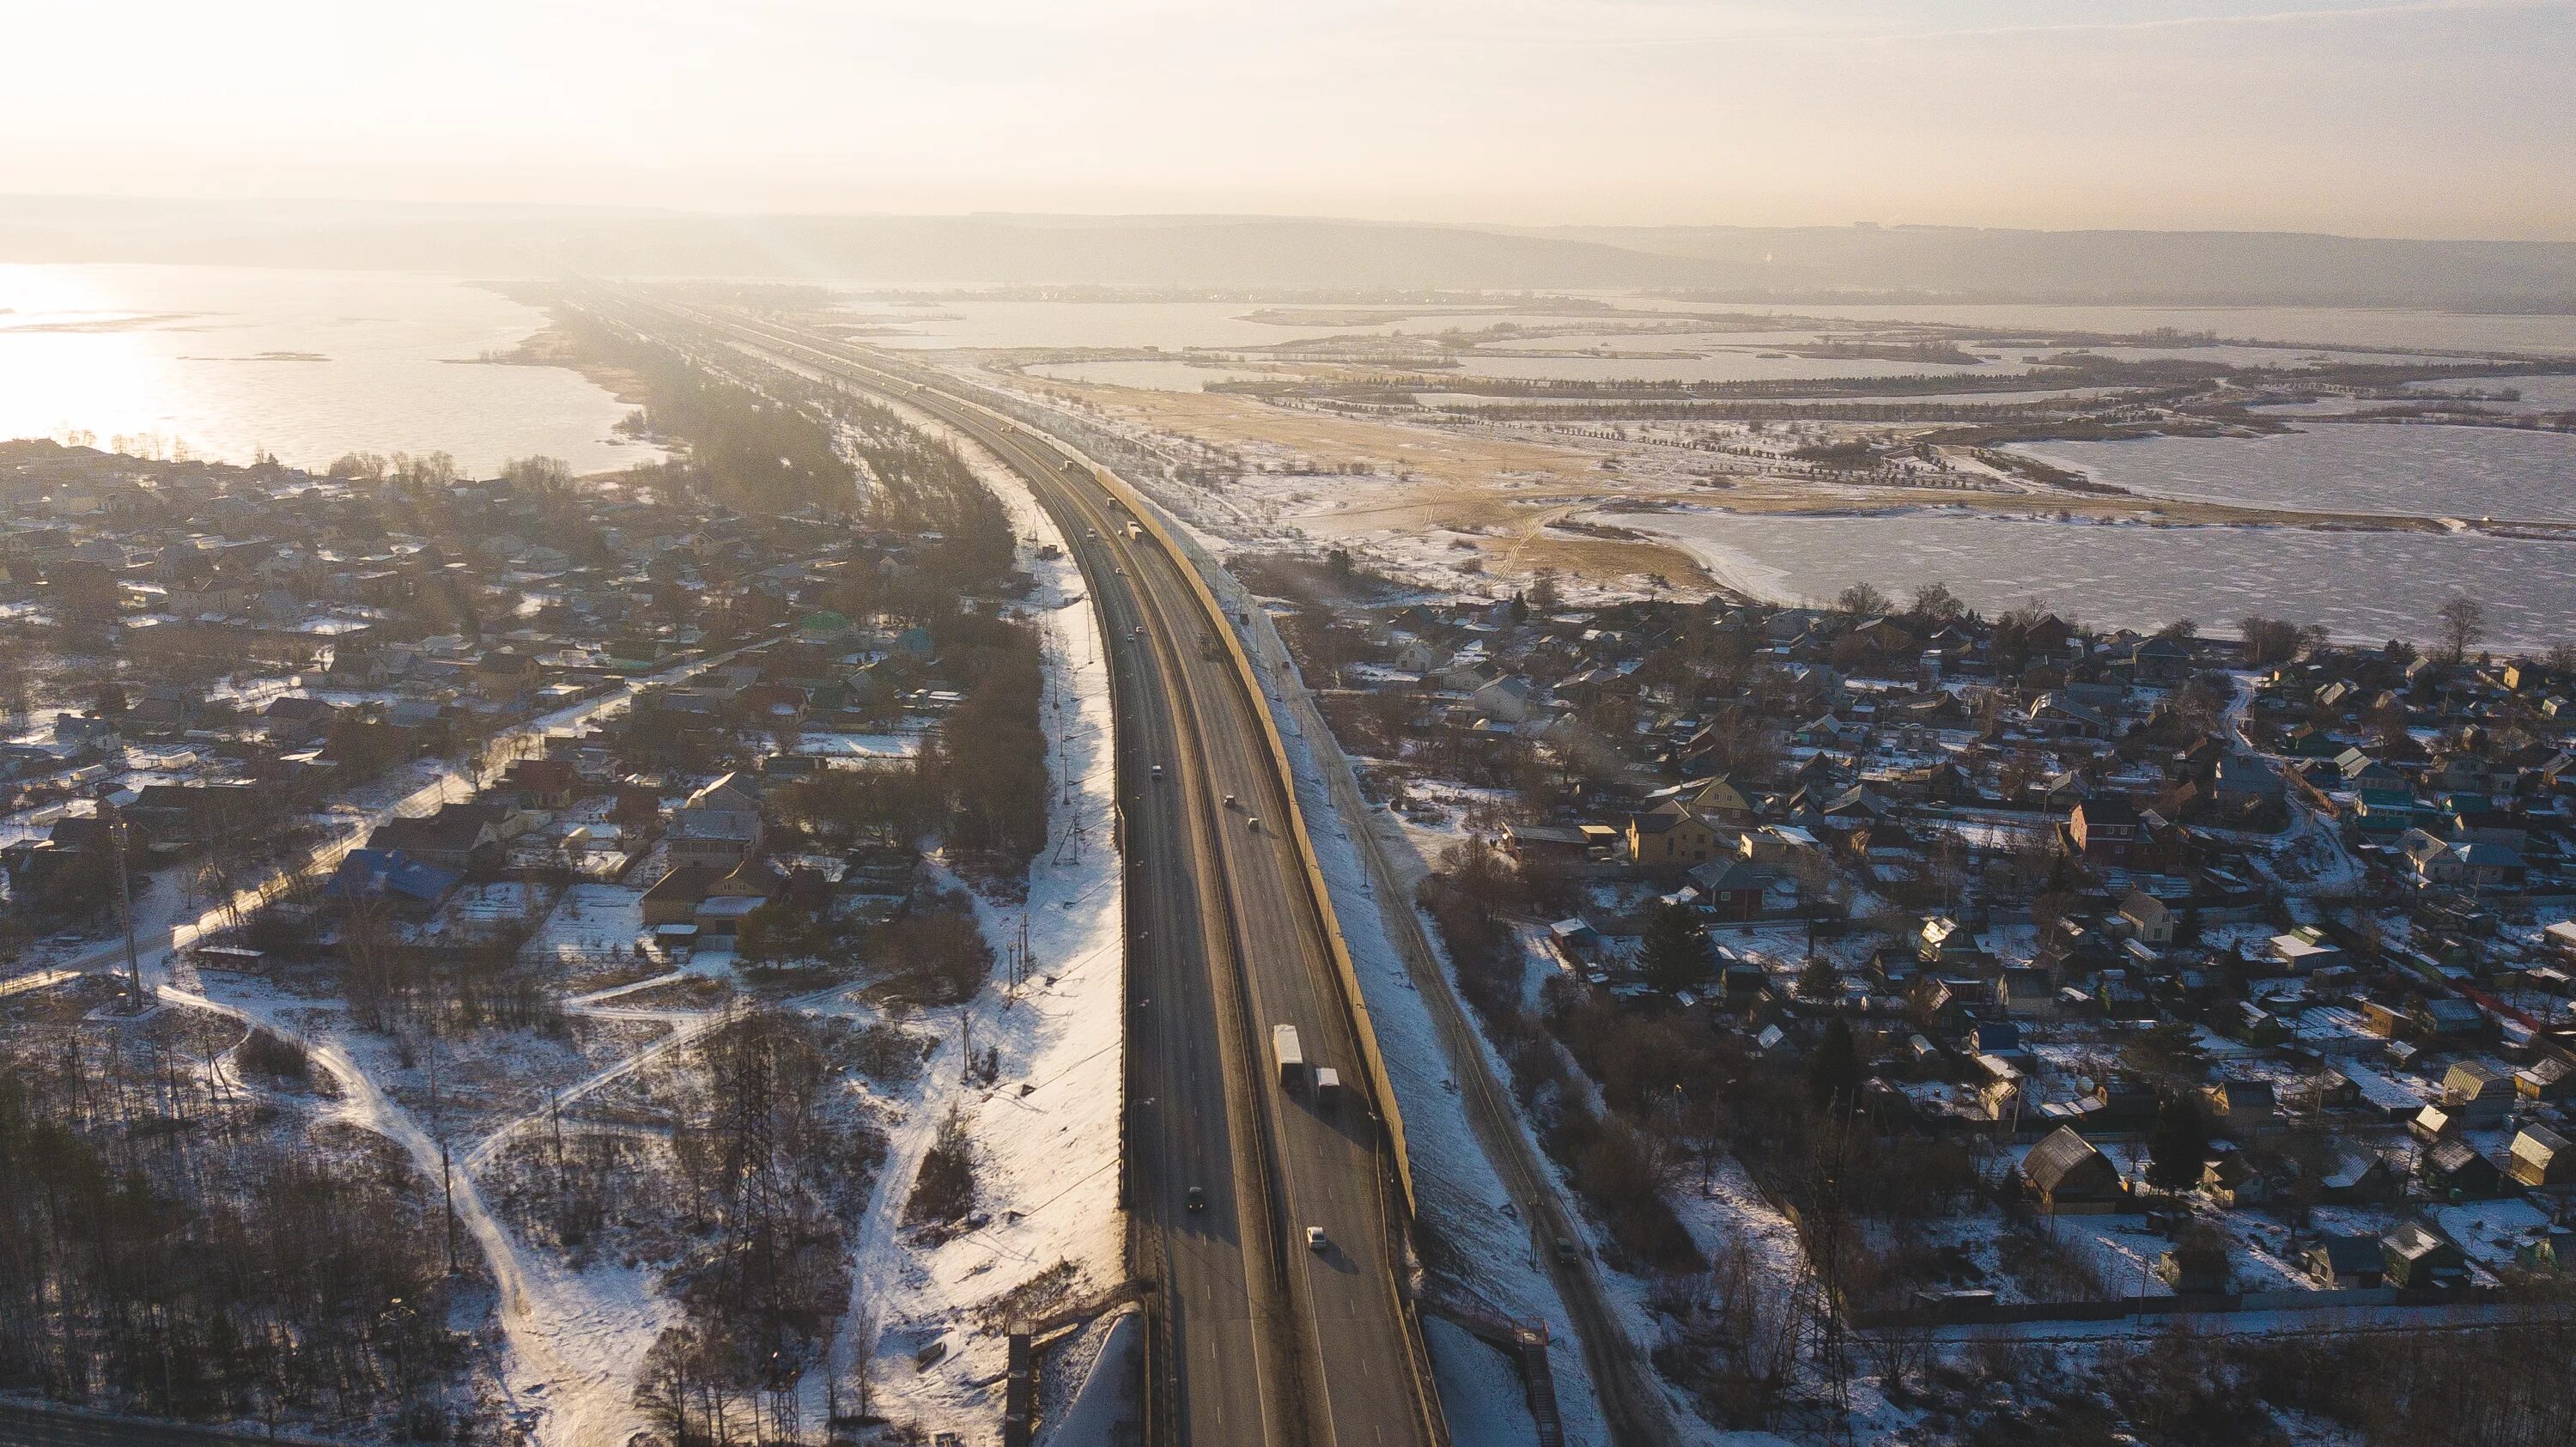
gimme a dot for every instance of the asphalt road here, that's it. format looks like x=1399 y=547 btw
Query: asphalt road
x=1259 y=1339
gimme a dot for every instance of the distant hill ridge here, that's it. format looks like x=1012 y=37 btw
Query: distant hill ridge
x=1814 y=264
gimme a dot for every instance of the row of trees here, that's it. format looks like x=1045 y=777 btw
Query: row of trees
x=2458 y=626
x=754 y=452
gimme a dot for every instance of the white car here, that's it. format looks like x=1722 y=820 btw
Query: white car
x=1158 y=771
x=1315 y=1238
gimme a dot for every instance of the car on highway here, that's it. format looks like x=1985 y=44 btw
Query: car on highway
x=1253 y=823
x=1564 y=1252
x=1229 y=801
x=1195 y=1198
x=1158 y=771
x=1315 y=1238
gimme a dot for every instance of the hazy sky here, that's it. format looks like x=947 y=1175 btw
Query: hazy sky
x=2444 y=118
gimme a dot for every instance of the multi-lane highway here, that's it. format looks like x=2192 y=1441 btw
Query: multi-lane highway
x=1260 y=1338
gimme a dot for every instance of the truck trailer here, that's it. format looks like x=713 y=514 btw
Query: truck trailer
x=1292 y=1056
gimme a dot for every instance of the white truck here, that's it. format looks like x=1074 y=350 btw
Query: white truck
x=1292 y=1056
x=1135 y=530
x=1328 y=1085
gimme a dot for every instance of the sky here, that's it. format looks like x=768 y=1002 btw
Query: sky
x=2444 y=118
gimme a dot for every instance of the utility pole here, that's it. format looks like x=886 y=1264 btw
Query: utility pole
x=116 y=838
x=446 y=1169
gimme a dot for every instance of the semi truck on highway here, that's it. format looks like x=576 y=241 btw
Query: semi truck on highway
x=1292 y=1056
x=1135 y=530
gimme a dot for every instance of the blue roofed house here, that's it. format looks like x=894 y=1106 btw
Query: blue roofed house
x=2391 y=810
x=393 y=878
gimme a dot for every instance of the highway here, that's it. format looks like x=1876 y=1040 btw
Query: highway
x=1258 y=1339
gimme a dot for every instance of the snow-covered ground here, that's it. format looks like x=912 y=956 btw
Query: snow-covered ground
x=1045 y=1132
x=1480 y=1390
x=573 y=1338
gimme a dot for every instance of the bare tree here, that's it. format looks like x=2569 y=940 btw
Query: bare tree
x=1862 y=600
x=1934 y=603
x=2463 y=623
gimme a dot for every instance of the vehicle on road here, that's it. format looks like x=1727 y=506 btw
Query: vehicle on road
x=1292 y=1055
x=1158 y=771
x=1564 y=1252
x=1135 y=530
x=1328 y=1084
x=1253 y=823
x=1229 y=801
x=1195 y=1198
x=1315 y=1239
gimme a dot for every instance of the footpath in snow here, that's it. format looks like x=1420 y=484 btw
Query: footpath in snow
x=572 y=1340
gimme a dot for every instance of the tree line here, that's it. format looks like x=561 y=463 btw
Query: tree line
x=162 y=1251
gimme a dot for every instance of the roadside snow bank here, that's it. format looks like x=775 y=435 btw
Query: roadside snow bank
x=1047 y=1231
x=1479 y=1389
x=1103 y=1413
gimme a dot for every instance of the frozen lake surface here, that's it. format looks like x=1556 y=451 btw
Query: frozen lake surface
x=2466 y=472
x=308 y=364
x=948 y=320
x=2549 y=334
x=2361 y=585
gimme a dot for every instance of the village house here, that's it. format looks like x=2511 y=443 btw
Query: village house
x=2416 y=1257
x=2346 y=1262
x=2542 y=1158
x=462 y=838
x=2104 y=828
x=719 y=827
x=1670 y=836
